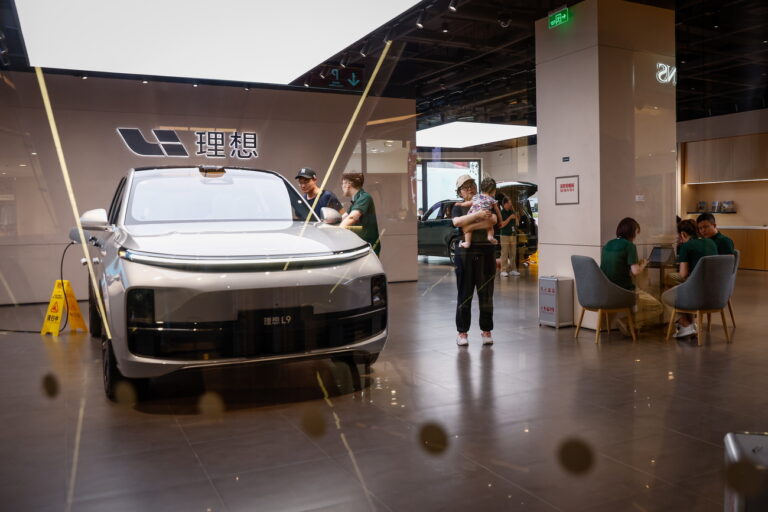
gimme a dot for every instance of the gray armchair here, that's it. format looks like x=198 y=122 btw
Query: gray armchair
x=597 y=293
x=737 y=260
x=706 y=290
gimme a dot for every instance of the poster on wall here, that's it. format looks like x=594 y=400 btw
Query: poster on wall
x=567 y=190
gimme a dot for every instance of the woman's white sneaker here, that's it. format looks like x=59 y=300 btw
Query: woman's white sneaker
x=462 y=339
x=487 y=338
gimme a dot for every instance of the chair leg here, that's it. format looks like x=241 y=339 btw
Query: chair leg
x=709 y=321
x=632 y=329
x=725 y=327
x=608 y=324
x=578 y=326
x=599 y=320
x=730 y=310
x=671 y=323
x=700 y=317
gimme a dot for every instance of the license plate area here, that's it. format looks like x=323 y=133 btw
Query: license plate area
x=276 y=331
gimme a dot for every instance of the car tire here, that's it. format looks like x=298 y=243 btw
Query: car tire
x=453 y=245
x=112 y=376
x=369 y=359
x=94 y=319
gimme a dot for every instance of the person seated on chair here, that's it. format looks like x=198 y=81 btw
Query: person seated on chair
x=708 y=229
x=691 y=250
x=619 y=263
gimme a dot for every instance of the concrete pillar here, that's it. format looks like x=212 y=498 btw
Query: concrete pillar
x=605 y=113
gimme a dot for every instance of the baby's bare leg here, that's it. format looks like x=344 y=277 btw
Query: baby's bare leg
x=492 y=220
x=467 y=239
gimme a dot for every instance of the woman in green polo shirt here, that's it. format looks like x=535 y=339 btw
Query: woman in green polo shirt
x=619 y=262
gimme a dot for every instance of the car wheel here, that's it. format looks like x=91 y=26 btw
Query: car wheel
x=113 y=377
x=94 y=319
x=453 y=245
x=369 y=359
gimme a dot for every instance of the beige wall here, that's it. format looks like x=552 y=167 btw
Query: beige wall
x=295 y=129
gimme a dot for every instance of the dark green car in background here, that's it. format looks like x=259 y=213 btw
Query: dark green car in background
x=437 y=235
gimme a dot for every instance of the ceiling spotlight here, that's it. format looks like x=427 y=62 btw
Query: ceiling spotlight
x=420 y=20
x=344 y=60
x=444 y=28
x=323 y=72
x=33 y=153
x=246 y=88
x=85 y=77
x=306 y=82
x=388 y=35
x=144 y=82
x=364 y=49
x=194 y=85
x=452 y=5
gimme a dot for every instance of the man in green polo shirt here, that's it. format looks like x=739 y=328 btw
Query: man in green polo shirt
x=362 y=211
x=708 y=229
x=691 y=250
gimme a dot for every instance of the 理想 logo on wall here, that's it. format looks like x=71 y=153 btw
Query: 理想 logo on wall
x=209 y=143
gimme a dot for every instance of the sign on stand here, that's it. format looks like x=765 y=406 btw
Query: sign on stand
x=62 y=299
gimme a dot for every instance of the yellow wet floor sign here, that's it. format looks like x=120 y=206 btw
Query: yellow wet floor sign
x=62 y=298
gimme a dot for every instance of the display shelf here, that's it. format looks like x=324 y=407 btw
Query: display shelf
x=716 y=213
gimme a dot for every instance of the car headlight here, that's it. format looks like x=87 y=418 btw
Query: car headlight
x=379 y=290
x=140 y=306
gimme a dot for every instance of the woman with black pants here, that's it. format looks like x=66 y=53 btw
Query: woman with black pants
x=475 y=268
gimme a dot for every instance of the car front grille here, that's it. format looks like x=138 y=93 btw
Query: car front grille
x=257 y=333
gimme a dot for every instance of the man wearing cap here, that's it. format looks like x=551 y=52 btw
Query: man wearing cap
x=308 y=185
x=475 y=267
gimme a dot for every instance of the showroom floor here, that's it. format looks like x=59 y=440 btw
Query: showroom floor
x=651 y=418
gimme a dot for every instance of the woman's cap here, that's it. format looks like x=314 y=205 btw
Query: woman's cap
x=462 y=180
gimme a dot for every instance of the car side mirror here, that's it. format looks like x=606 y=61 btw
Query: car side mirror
x=330 y=216
x=95 y=220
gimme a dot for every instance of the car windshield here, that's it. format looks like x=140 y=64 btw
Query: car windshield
x=190 y=195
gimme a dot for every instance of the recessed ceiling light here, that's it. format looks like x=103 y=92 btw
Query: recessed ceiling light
x=93 y=38
x=33 y=154
x=85 y=77
x=717 y=26
x=144 y=82
x=462 y=134
x=194 y=85
x=22 y=165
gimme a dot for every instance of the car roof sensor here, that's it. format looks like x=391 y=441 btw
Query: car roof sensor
x=210 y=171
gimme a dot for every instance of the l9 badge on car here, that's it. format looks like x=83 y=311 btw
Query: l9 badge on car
x=277 y=320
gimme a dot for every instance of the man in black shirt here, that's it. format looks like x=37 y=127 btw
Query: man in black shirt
x=307 y=179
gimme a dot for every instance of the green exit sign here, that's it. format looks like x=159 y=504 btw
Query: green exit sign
x=559 y=17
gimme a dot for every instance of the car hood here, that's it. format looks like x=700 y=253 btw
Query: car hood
x=239 y=239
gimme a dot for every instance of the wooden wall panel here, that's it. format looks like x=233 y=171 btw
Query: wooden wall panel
x=726 y=159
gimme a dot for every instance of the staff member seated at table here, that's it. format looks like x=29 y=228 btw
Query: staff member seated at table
x=619 y=263
x=708 y=229
x=691 y=250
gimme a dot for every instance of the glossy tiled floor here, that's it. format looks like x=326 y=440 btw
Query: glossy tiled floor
x=653 y=416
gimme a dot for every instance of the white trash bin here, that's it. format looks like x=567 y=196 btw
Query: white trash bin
x=555 y=301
